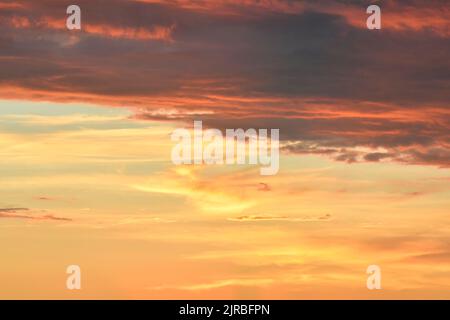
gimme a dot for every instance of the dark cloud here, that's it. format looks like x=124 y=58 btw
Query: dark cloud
x=25 y=213
x=309 y=68
x=264 y=187
x=12 y=210
x=376 y=156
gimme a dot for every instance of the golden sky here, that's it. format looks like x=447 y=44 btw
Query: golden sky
x=86 y=176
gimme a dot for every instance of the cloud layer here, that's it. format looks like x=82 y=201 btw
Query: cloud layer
x=24 y=213
x=311 y=69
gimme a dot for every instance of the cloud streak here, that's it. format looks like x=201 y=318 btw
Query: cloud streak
x=24 y=213
x=263 y=218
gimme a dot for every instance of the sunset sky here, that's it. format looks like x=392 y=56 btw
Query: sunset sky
x=86 y=176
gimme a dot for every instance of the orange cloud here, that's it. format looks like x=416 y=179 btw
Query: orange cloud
x=397 y=16
x=156 y=32
x=341 y=91
x=11 y=5
x=17 y=213
x=254 y=218
x=162 y=33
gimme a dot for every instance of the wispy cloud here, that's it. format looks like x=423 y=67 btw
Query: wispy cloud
x=25 y=213
x=204 y=193
x=241 y=63
x=219 y=284
x=262 y=218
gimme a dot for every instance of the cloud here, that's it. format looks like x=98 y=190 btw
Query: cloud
x=434 y=257
x=311 y=69
x=201 y=192
x=11 y=5
x=12 y=210
x=376 y=156
x=410 y=16
x=256 y=218
x=263 y=187
x=24 y=213
x=219 y=284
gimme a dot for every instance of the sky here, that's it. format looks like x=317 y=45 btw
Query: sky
x=86 y=176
